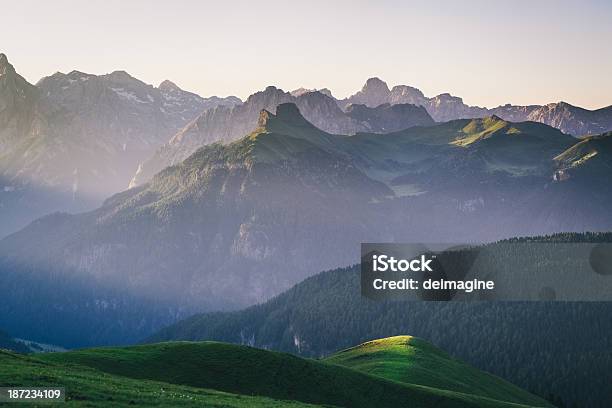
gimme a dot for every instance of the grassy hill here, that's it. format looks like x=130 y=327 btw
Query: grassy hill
x=92 y=388
x=220 y=374
x=411 y=360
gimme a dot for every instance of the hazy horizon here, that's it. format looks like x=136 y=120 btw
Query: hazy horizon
x=487 y=53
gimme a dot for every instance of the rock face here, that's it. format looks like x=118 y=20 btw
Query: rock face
x=23 y=129
x=572 y=119
x=122 y=115
x=387 y=118
x=18 y=101
x=448 y=107
x=224 y=124
x=514 y=113
x=302 y=91
x=407 y=94
x=76 y=138
x=569 y=119
x=375 y=92
x=444 y=107
x=184 y=105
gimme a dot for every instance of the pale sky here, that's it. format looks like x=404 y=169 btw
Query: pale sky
x=488 y=52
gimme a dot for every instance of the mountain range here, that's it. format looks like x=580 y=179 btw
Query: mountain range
x=73 y=139
x=444 y=107
x=226 y=124
x=237 y=223
x=375 y=108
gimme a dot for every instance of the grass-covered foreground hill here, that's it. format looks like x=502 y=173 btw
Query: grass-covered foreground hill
x=413 y=361
x=224 y=375
x=93 y=388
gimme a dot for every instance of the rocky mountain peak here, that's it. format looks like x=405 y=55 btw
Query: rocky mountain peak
x=289 y=112
x=407 y=94
x=448 y=97
x=5 y=66
x=78 y=74
x=375 y=85
x=270 y=91
x=407 y=90
x=168 y=86
x=375 y=92
x=267 y=99
x=562 y=105
x=285 y=112
x=264 y=117
x=121 y=76
x=13 y=87
x=303 y=91
x=325 y=91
